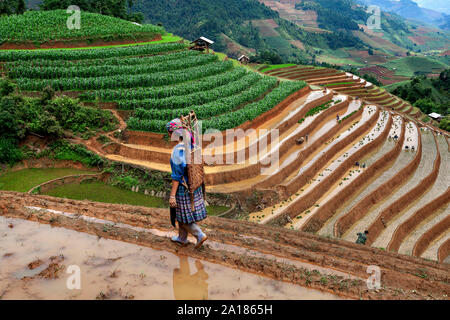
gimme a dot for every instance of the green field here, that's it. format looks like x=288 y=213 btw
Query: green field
x=391 y=87
x=43 y=26
x=24 y=180
x=277 y=66
x=157 y=82
x=409 y=66
x=169 y=38
x=100 y=192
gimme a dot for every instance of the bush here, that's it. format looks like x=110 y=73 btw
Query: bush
x=445 y=124
x=9 y=152
x=20 y=116
x=62 y=150
x=6 y=87
x=125 y=181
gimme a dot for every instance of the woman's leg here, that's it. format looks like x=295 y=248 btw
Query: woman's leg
x=195 y=230
x=182 y=234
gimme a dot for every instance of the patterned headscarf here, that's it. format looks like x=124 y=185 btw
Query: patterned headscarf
x=175 y=126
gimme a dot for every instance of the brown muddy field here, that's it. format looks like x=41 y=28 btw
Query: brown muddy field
x=331 y=266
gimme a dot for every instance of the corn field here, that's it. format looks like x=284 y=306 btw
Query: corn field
x=43 y=26
x=156 y=82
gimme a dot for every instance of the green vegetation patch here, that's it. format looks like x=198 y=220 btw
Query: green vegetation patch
x=101 y=192
x=336 y=84
x=24 y=180
x=278 y=66
x=43 y=26
x=410 y=66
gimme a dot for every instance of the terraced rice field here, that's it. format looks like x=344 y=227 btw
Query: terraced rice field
x=347 y=83
x=303 y=180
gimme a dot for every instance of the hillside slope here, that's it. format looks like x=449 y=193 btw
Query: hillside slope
x=408 y=9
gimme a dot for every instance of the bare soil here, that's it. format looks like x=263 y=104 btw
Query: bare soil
x=401 y=275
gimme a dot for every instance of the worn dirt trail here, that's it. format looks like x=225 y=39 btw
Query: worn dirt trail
x=273 y=252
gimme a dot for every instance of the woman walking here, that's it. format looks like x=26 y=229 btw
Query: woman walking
x=179 y=195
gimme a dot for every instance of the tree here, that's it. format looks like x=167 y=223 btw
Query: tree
x=115 y=8
x=445 y=124
x=8 y=6
x=425 y=105
x=21 y=6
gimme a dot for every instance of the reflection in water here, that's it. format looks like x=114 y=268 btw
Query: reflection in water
x=187 y=286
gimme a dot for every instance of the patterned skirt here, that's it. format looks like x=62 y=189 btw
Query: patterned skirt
x=184 y=210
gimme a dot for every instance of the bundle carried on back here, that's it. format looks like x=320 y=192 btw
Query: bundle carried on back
x=194 y=158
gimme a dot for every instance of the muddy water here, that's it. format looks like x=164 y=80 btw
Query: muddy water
x=425 y=167
x=118 y=270
x=439 y=187
x=431 y=252
x=349 y=176
x=403 y=159
x=271 y=212
x=290 y=156
x=327 y=229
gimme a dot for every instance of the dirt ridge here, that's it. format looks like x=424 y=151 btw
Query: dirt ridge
x=363 y=206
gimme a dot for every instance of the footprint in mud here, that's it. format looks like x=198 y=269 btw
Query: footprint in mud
x=37 y=263
x=45 y=270
x=99 y=261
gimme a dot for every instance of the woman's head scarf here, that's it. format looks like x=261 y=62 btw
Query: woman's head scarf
x=176 y=127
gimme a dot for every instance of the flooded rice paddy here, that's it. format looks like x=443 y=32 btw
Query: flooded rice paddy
x=34 y=260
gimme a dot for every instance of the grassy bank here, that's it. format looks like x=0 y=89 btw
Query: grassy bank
x=25 y=180
x=100 y=192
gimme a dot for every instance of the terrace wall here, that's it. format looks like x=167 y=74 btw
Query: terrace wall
x=300 y=181
x=309 y=199
x=420 y=215
x=377 y=227
x=362 y=207
x=327 y=210
x=73 y=179
x=281 y=174
x=444 y=251
x=428 y=237
x=314 y=223
x=45 y=163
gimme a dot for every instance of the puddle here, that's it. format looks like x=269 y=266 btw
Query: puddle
x=117 y=270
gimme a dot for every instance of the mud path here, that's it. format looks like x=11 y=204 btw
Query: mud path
x=297 y=249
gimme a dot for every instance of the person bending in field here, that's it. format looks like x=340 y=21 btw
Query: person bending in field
x=362 y=237
x=179 y=195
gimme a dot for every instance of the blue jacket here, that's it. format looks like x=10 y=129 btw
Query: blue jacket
x=178 y=163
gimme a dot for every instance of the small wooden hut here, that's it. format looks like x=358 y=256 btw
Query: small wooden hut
x=202 y=44
x=244 y=59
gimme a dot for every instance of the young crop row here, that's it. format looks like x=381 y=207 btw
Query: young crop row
x=110 y=70
x=317 y=109
x=126 y=80
x=52 y=25
x=81 y=54
x=181 y=89
x=155 y=120
x=114 y=61
x=251 y=111
x=196 y=98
